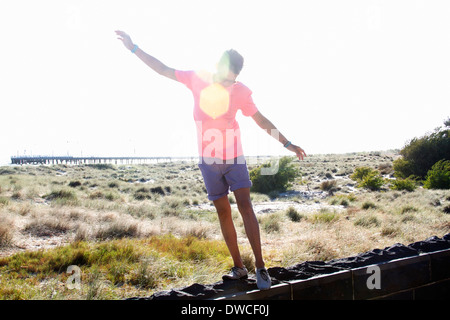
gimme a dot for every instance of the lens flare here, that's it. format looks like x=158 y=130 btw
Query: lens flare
x=214 y=100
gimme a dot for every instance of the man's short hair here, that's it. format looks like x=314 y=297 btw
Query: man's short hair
x=234 y=60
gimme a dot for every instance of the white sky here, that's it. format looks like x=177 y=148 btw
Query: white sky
x=333 y=76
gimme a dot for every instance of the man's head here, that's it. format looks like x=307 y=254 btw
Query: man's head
x=229 y=66
x=232 y=60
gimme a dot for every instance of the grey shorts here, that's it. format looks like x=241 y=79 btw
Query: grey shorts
x=222 y=176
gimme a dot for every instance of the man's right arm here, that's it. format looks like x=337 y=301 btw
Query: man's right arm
x=155 y=64
x=149 y=60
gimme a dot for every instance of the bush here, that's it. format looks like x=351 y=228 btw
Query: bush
x=368 y=205
x=62 y=197
x=372 y=181
x=294 y=215
x=420 y=154
x=367 y=178
x=360 y=173
x=279 y=181
x=158 y=190
x=439 y=176
x=142 y=194
x=328 y=185
x=270 y=223
x=324 y=216
x=343 y=200
x=403 y=168
x=74 y=184
x=446 y=209
x=61 y=194
x=403 y=184
x=113 y=184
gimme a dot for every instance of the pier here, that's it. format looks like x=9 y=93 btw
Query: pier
x=71 y=160
x=21 y=160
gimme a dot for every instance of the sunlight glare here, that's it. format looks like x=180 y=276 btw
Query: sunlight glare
x=214 y=100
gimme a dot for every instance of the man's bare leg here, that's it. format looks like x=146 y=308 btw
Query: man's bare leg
x=250 y=223
x=228 y=230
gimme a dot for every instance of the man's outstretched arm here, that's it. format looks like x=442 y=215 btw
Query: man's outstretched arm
x=152 y=62
x=270 y=128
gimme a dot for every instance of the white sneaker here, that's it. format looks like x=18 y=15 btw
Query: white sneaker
x=263 y=279
x=236 y=273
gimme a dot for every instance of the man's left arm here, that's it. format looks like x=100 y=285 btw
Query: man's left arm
x=270 y=128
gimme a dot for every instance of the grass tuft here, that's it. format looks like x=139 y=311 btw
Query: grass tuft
x=324 y=216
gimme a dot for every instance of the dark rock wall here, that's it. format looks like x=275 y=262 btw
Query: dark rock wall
x=310 y=269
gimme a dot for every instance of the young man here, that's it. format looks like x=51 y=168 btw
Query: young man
x=217 y=98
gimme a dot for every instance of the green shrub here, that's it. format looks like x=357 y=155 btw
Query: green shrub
x=439 y=176
x=403 y=184
x=74 y=184
x=368 y=205
x=342 y=200
x=270 y=223
x=373 y=181
x=62 y=197
x=157 y=190
x=403 y=168
x=420 y=154
x=280 y=180
x=113 y=184
x=111 y=196
x=368 y=178
x=324 y=216
x=294 y=215
x=142 y=194
x=360 y=173
x=61 y=194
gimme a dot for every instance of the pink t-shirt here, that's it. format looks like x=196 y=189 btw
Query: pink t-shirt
x=215 y=108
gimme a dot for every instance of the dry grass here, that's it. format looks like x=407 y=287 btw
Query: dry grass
x=6 y=232
x=60 y=213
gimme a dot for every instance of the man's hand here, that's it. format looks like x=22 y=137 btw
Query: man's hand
x=269 y=127
x=298 y=151
x=150 y=61
x=125 y=38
